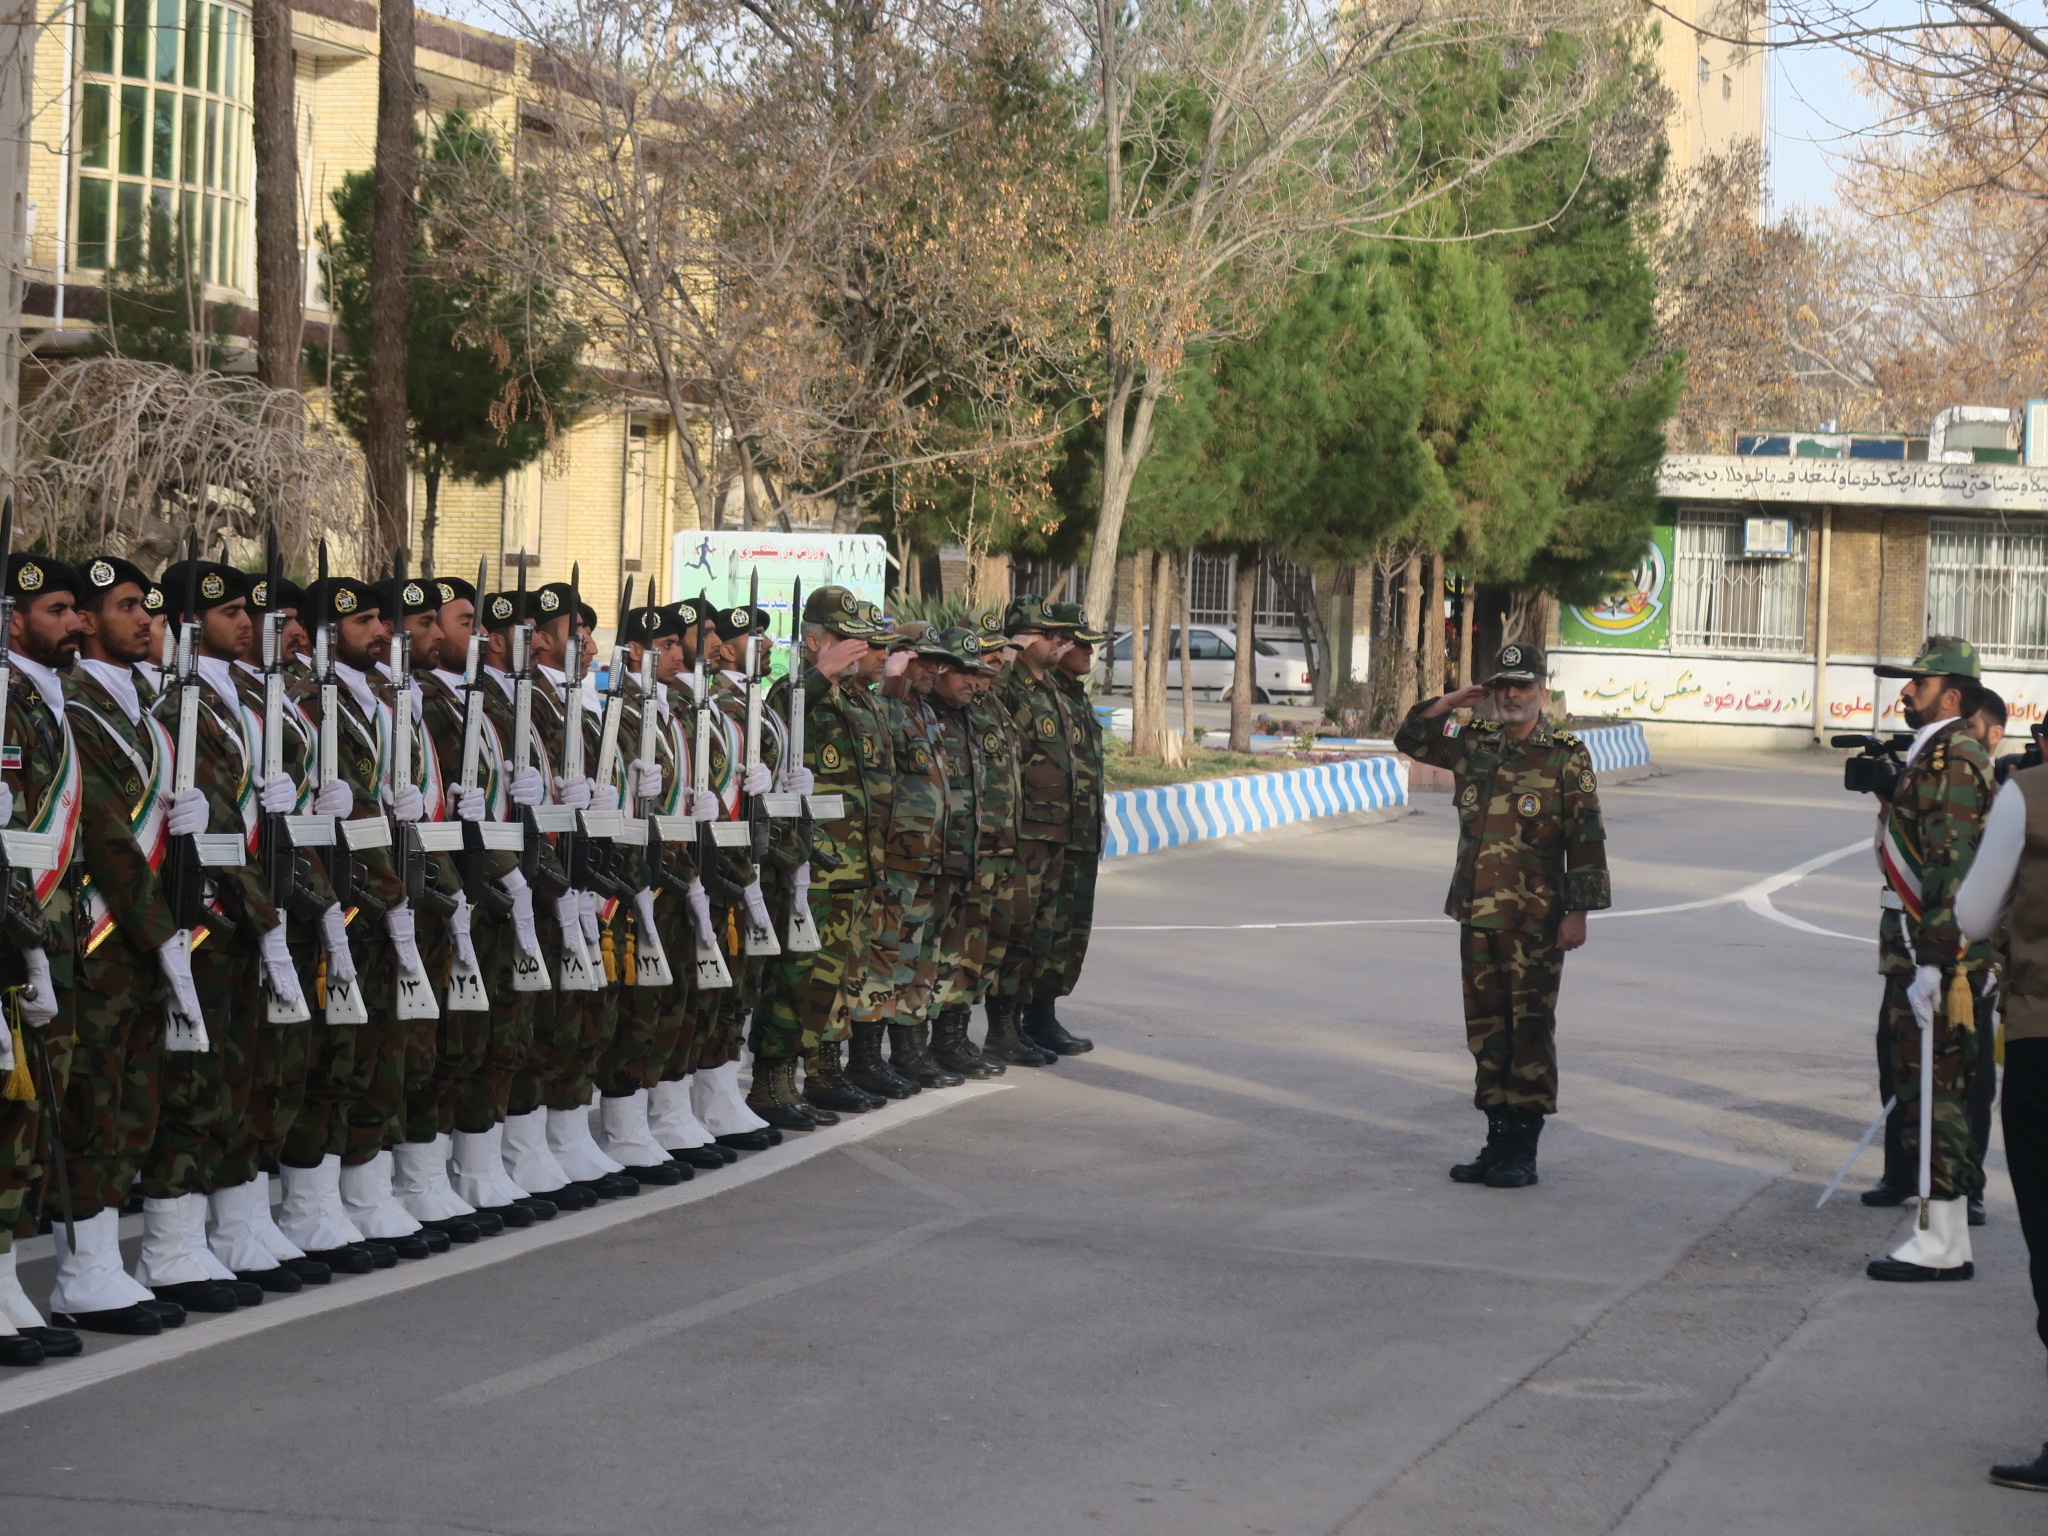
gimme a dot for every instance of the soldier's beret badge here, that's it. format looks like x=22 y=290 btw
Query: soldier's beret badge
x=100 y=574
x=260 y=593
x=550 y=601
x=447 y=592
x=1528 y=805
x=414 y=594
x=501 y=607
x=211 y=586
x=31 y=577
x=344 y=601
x=153 y=600
x=1511 y=657
x=686 y=613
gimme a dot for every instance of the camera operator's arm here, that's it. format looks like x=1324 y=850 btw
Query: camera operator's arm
x=1987 y=889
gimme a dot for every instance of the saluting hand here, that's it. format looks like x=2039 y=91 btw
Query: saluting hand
x=1464 y=698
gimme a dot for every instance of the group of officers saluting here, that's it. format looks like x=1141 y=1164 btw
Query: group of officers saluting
x=371 y=888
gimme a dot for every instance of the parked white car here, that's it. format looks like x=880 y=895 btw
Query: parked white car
x=1212 y=662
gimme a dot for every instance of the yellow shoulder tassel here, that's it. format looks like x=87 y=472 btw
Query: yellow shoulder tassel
x=632 y=960
x=609 y=950
x=732 y=930
x=320 y=985
x=1962 y=1002
x=20 y=1087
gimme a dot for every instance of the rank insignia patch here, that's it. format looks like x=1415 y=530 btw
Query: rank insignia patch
x=1469 y=796
x=828 y=757
x=1047 y=727
x=1528 y=805
x=1586 y=785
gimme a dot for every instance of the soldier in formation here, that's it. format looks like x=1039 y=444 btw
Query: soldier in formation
x=332 y=912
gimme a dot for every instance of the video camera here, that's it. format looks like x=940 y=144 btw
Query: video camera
x=2031 y=757
x=1875 y=770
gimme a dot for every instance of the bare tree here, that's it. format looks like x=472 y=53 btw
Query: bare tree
x=391 y=244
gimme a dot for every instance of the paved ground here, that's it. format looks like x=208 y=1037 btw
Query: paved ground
x=1210 y=1279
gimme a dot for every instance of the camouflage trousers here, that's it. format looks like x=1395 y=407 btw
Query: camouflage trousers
x=1954 y=1167
x=1027 y=950
x=478 y=1102
x=806 y=1000
x=961 y=944
x=557 y=1026
x=462 y=1045
x=901 y=951
x=1073 y=920
x=569 y=1051
x=373 y=1107
x=650 y=1019
x=204 y=1095
x=25 y=1150
x=1511 y=980
x=1003 y=902
x=319 y=1126
x=110 y=1104
x=285 y=1055
x=419 y=1045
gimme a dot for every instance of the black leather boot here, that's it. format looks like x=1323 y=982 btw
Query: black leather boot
x=1041 y=1026
x=1517 y=1168
x=868 y=1070
x=1006 y=1043
x=2031 y=1475
x=952 y=1049
x=58 y=1343
x=1475 y=1172
x=16 y=1350
x=773 y=1095
x=826 y=1086
x=909 y=1054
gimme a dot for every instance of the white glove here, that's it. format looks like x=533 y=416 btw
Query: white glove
x=700 y=911
x=341 y=965
x=523 y=931
x=278 y=967
x=758 y=780
x=569 y=918
x=526 y=786
x=472 y=804
x=277 y=795
x=39 y=995
x=404 y=802
x=6 y=804
x=587 y=910
x=645 y=779
x=1924 y=993
x=458 y=933
x=643 y=904
x=188 y=814
x=704 y=806
x=174 y=956
x=800 y=884
x=604 y=797
x=757 y=904
x=572 y=792
x=334 y=798
x=398 y=923
x=799 y=781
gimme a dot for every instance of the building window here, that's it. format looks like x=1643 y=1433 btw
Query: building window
x=163 y=135
x=1212 y=592
x=1726 y=600
x=1988 y=582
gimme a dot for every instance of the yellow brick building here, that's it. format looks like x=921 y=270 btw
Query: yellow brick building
x=1717 y=86
x=142 y=106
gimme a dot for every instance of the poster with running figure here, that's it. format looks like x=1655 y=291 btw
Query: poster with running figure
x=720 y=565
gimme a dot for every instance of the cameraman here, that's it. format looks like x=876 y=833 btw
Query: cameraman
x=1927 y=835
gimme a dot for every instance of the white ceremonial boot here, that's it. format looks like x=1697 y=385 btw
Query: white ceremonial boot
x=311 y=1216
x=716 y=1098
x=420 y=1182
x=264 y=1225
x=367 y=1198
x=437 y=1175
x=670 y=1120
x=570 y=1140
x=168 y=1256
x=15 y=1307
x=529 y=1162
x=627 y=1136
x=90 y=1277
x=479 y=1178
x=234 y=1241
x=1939 y=1252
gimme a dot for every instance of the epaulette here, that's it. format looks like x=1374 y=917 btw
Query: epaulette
x=1566 y=739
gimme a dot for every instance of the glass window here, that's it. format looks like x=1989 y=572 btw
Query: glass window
x=195 y=42
x=167 y=41
x=163 y=138
x=213 y=49
x=99 y=36
x=128 y=242
x=94 y=129
x=135 y=40
x=134 y=129
x=1725 y=600
x=92 y=221
x=1988 y=582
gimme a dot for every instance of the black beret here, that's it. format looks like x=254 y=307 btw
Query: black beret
x=103 y=573
x=339 y=597
x=211 y=583
x=31 y=575
x=412 y=595
x=455 y=590
x=289 y=593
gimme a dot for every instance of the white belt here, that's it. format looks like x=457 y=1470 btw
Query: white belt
x=1889 y=900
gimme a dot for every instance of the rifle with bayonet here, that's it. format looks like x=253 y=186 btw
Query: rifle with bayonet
x=414 y=991
x=710 y=956
x=603 y=853
x=471 y=863
x=184 y=872
x=278 y=851
x=344 y=997
x=582 y=971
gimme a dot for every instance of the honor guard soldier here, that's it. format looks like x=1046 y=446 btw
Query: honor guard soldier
x=1532 y=862
x=1927 y=836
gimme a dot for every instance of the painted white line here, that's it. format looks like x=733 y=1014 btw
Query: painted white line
x=60 y=1377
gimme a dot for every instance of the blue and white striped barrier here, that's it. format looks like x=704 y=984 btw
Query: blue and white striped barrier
x=1147 y=820
x=1615 y=746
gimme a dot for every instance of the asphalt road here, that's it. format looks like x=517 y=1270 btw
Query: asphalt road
x=1209 y=1279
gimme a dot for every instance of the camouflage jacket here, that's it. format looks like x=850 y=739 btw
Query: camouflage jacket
x=225 y=770
x=850 y=752
x=118 y=759
x=311 y=893
x=1002 y=792
x=916 y=840
x=1927 y=836
x=39 y=757
x=1531 y=846
x=1084 y=831
x=960 y=755
x=1045 y=733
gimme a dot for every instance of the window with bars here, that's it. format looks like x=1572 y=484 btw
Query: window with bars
x=1723 y=599
x=163 y=135
x=1212 y=595
x=1988 y=582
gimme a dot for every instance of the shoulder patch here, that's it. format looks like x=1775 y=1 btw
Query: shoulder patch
x=1528 y=805
x=828 y=757
x=1586 y=781
x=1048 y=727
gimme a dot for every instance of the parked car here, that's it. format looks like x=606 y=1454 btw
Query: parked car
x=1212 y=664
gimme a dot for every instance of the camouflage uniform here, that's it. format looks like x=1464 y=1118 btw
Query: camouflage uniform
x=959 y=936
x=1531 y=847
x=897 y=984
x=1074 y=912
x=1046 y=734
x=1001 y=906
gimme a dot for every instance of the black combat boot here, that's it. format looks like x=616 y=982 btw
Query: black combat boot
x=1041 y=1026
x=868 y=1070
x=17 y=1350
x=910 y=1055
x=2031 y=1475
x=773 y=1095
x=1475 y=1172
x=1517 y=1169
x=1006 y=1043
x=826 y=1086
x=952 y=1049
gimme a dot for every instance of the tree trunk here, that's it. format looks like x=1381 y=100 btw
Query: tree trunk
x=1343 y=626
x=1244 y=675
x=430 y=516
x=1187 y=664
x=391 y=239
x=1127 y=437
x=1142 y=744
x=1433 y=625
x=1411 y=613
x=1109 y=651
x=1467 y=614
x=1160 y=649
x=280 y=284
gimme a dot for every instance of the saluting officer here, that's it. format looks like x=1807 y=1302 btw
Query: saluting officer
x=1532 y=862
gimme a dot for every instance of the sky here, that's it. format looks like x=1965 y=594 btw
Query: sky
x=1813 y=114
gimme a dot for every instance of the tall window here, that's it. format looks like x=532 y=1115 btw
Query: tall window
x=163 y=134
x=1988 y=582
x=1725 y=598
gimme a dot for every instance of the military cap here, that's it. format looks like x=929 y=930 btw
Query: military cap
x=550 y=601
x=1029 y=611
x=988 y=629
x=289 y=593
x=1518 y=663
x=339 y=597
x=1940 y=656
x=837 y=611
x=415 y=594
x=496 y=611
x=1073 y=617
x=586 y=613
x=691 y=612
x=212 y=584
x=650 y=624
x=912 y=632
x=737 y=622
x=958 y=646
x=454 y=589
x=31 y=575
x=103 y=573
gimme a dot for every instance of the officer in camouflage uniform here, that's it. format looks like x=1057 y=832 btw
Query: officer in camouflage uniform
x=960 y=947
x=1532 y=862
x=1073 y=912
x=1927 y=837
